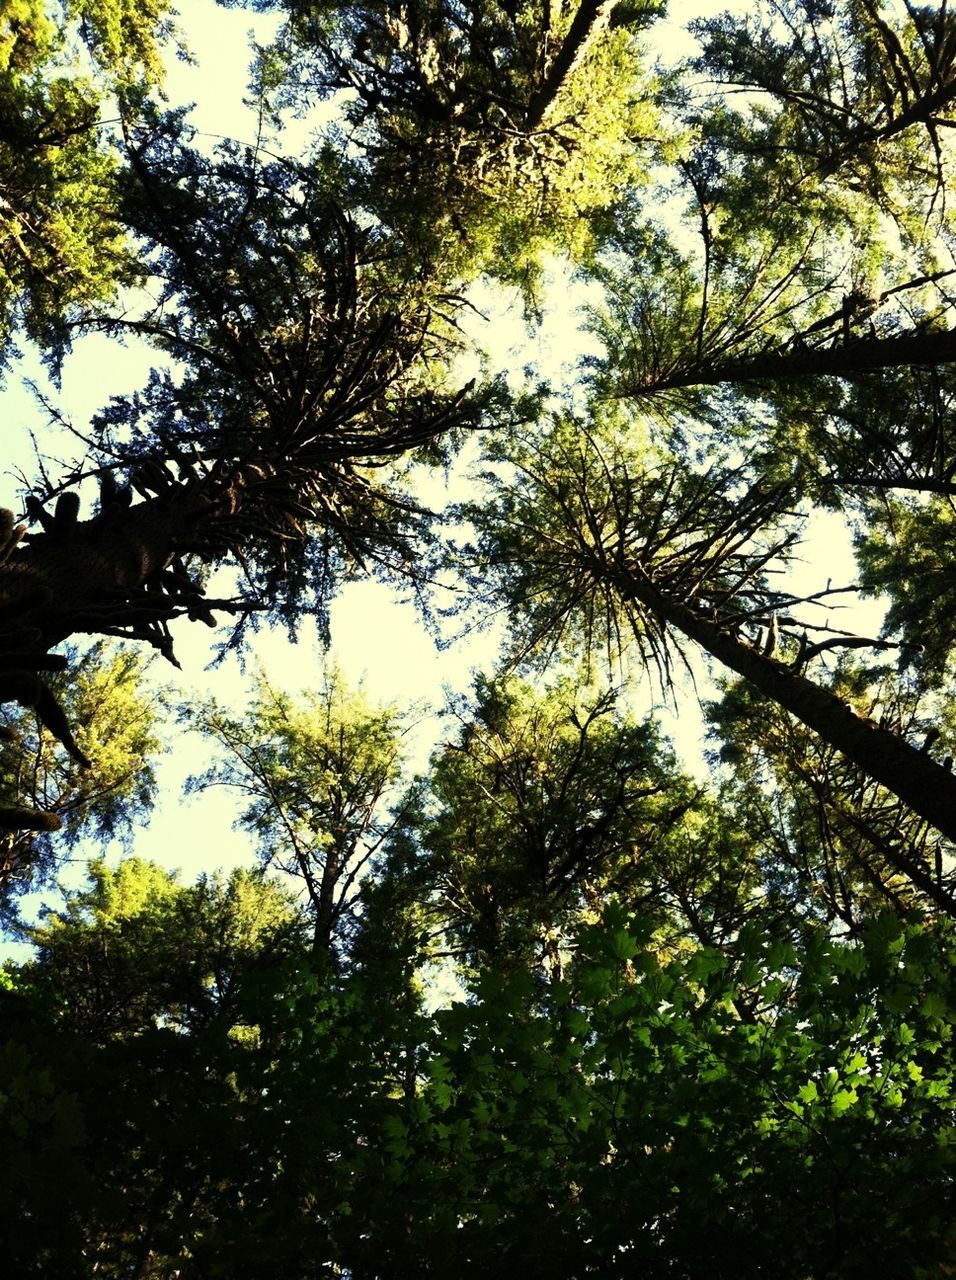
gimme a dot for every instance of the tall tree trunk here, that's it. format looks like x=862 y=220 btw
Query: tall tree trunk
x=860 y=356
x=67 y=579
x=921 y=783
x=590 y=18
x=920 y=484
x=102 y=576
x=106 y=573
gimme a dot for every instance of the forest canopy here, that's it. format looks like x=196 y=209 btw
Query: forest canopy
x=553 y=994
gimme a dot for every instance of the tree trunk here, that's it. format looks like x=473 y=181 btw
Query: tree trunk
x=860 y=356
x=591 y=16
x=922 y=484
x=921 y=783
x=85 y=577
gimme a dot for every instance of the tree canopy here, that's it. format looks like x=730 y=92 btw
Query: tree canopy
x=554 y=993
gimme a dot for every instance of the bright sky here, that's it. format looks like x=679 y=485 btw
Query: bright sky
x=377 y=640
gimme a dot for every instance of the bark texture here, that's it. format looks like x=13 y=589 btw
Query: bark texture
x=90 y=576
x=921 y=783
x=591 y=17
x=859 y=356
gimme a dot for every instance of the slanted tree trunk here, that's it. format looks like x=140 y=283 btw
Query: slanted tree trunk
x=921 y=783
x=58 y=582
x=918 y=484
x=89 y=576
x=105 y=576
x=857 y=356
x=591 y=17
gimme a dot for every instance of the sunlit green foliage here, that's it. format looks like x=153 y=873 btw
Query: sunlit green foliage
x=62 y=241
x=858 y=90
x=490 y=132
x=542 y=805
x=315 y=776
x=137 y=949
x=118 y=727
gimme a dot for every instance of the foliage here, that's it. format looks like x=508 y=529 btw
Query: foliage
x=138 y=950
x=846 y=89
x=117 y=727
x=641 y=1111
x=544 y=803
x=62 y=241
x=315 y=776
x=586 y=494
x=839 y=847
x=636 y=1119
x=135 y=998
x=492 y=131
x=908 y=557
x=552 y=1008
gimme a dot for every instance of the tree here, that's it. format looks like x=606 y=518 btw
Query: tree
x=307 y=408
x=906 y=556
x=276 y=411
x=843 y=84
x=591 y=539
x=121 y=1114
x=62 y=241
x=837 y=843
x=692 y=1028
x=490 y=131
x=315 y=776
x=136 y=949
x=623 y=1114
x=815 y=240
x=545 y=804
x=116 y=728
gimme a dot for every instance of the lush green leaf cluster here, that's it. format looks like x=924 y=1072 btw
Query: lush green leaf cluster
x=735 y=1111
x=63 y=244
